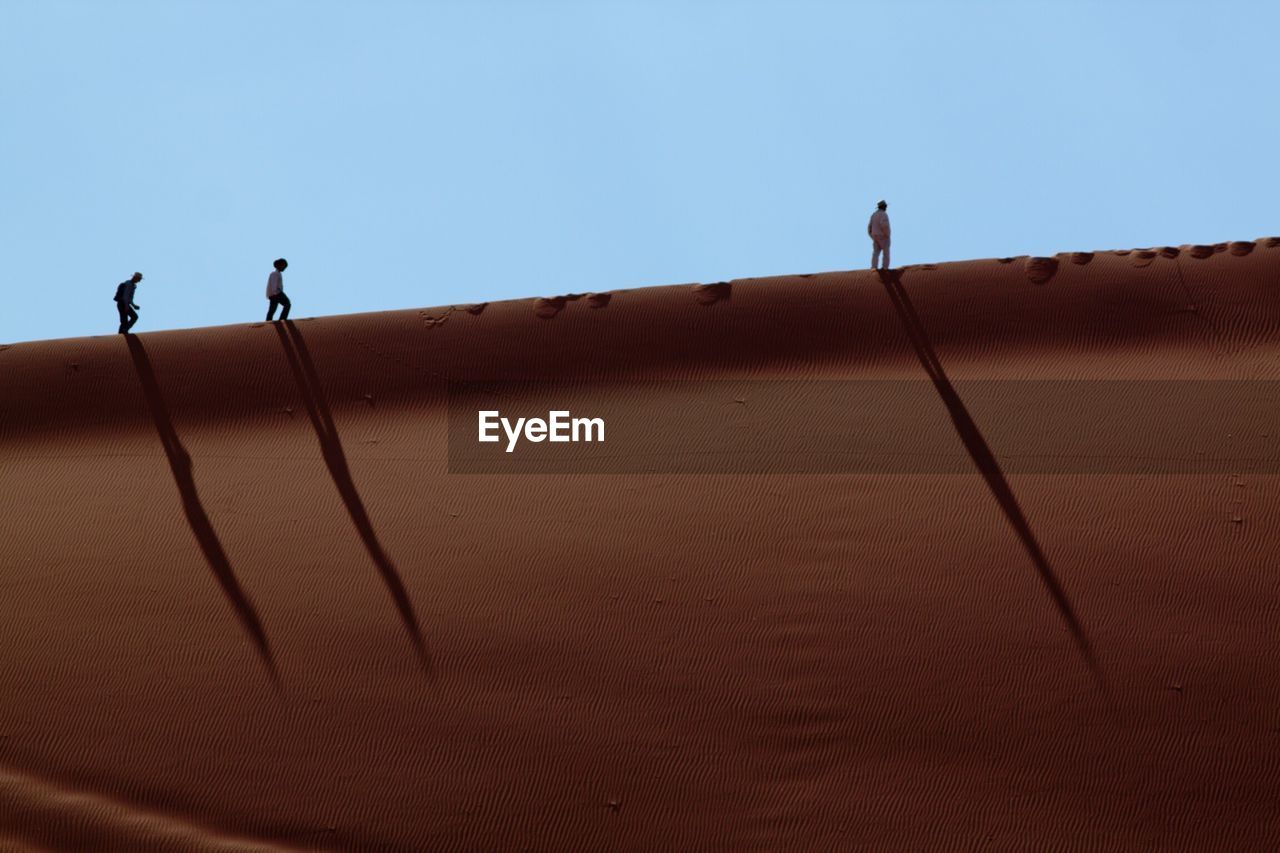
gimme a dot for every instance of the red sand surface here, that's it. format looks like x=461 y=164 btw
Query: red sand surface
x=246 y=604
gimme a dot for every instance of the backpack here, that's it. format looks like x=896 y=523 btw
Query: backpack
x=119 y=292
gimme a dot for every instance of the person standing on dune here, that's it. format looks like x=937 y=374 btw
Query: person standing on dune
x=878 y=231
x=275 y=291
x=124 y=302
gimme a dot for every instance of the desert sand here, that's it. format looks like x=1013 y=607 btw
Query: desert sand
x=246 y=604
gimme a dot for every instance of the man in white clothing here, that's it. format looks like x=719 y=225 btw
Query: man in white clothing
x=275 y=291
x=878 y=231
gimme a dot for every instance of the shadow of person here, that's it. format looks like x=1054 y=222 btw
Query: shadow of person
x=986 y=462
x=335 y=459
x=197 y=518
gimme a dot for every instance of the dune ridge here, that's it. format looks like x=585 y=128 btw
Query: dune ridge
x=245 y=598
x=839 y=317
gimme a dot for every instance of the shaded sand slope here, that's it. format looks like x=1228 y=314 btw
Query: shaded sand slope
x=244 y=602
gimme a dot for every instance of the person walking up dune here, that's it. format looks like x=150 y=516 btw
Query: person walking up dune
x=878 y=231
x=275 y=291
x=124 y=302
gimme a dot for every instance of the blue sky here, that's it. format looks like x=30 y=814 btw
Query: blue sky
x=411 y=154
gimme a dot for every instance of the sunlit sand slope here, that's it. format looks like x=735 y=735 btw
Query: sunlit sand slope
x=246 y=604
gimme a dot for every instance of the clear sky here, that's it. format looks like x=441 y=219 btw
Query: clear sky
x=413 y=154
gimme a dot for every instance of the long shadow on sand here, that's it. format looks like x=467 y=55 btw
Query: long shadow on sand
x=308 y=381
x=985 y=461
x=180 y=464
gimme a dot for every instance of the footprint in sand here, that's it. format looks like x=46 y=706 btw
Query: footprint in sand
x=1040 y=270
x=709 y=294
x=547 y=307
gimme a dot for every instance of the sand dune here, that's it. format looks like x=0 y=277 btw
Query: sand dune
x=1015 y=586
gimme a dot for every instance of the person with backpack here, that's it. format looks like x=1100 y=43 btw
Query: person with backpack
x=275 y=291
x=124 y=302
